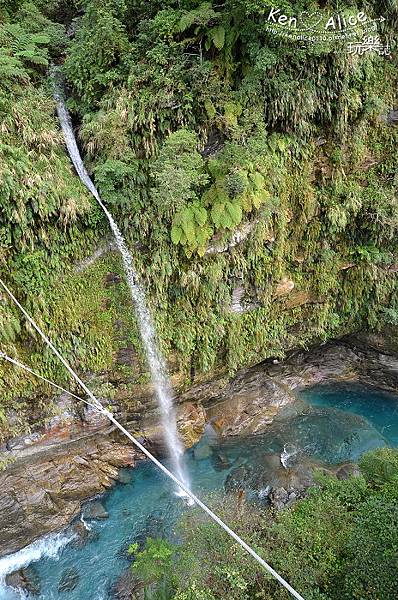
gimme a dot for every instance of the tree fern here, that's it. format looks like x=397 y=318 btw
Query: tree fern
x=199 y=16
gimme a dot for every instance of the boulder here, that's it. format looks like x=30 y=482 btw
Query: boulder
x=238 y=479
x=93 y=419
x=24 y=441
x=300 y=298
x=251 y=408
x=95 y=510
x=26 y=580
x=347 y=471
x=82 y=534
x=69 y=580
x=191 y=421
x=279 y=498
x=125 y=476
x=220 y=462
x=65 y=414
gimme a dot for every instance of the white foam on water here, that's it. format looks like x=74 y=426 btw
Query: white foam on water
x=49 y=546
x=288 y=452
x=86 y=525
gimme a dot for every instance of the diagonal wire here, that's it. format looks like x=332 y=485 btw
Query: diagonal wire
x=21 y=365
x=101 y=409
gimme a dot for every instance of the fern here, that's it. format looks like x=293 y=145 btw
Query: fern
x=217 y=36
x=199 y=16
x=11 y=68
x=9 y=327
x=191 y=229
x=21 y=53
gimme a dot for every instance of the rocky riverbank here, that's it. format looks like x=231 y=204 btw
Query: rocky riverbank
x=48 y=474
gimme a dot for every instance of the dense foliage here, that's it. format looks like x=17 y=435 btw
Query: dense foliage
x=201 y=130
x=339 y=543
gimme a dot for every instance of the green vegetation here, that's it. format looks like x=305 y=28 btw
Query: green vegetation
x=339 y=543
x=197 y=125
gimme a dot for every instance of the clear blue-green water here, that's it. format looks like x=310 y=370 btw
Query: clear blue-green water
x=379 y=408
x=328 y=425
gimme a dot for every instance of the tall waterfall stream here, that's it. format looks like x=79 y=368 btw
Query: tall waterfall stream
x=154 y=357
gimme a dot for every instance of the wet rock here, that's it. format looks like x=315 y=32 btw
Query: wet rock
x=108 y=245
x=79 y=460
x=202 y=451
x=214 y=143
x=42 y=490
x=238 y=479
x=123 y=551
x=125 y=476
x=279 y=498
x=191 y=421
x=25 y=579
x=44 y=483
x=391 y=117
x=93 y=419
x=220 y=462
x=126 y=356
x=237 y=304
x=250 y=402
x=95 y=510
x=65 y=413
x=69 y=580
x=266 y=477
x=154 y=527
x=300 y=298
x=23 y=441
x=82 y=534
x=127 y=587
x=218 y=244
x=250 y=408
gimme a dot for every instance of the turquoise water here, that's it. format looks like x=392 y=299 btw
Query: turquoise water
x=328 y=424
x=378 y=407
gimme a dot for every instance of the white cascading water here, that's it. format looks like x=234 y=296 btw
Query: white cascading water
x=49 y=546
x=147 y=330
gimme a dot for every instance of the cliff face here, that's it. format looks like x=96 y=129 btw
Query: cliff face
x=50 y=473
x=257 y=192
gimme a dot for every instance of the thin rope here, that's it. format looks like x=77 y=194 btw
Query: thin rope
x=51 y=345
x=21 y=365
x=196 y=500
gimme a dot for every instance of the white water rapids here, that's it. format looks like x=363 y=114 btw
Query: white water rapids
x=48 y=546
x=154 y=357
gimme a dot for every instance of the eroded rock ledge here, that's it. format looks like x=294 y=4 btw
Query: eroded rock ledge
x=45 y=482
x=43 y=491
x=248 y=403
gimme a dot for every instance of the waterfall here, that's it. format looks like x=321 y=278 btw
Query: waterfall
x=154 y=357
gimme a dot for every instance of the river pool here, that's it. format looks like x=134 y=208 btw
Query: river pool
x=328 y=425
